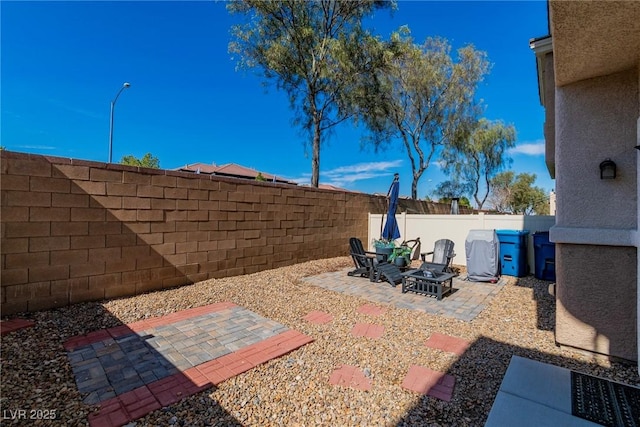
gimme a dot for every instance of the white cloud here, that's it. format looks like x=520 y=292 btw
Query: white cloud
x=344 y=176
x=535 y=148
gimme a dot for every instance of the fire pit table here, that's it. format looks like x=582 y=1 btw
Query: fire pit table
x=428 y=282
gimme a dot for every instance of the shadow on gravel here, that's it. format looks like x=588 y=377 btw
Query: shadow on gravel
x=113 y=375
x=545 y=302
x=479 y=373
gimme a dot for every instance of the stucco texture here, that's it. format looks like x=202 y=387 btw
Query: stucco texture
x=594 y=38
x=596 y=302
x=596 y=119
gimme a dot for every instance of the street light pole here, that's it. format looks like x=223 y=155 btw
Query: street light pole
x=113 y=104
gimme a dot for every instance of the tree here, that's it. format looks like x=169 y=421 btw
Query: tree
x=477 y=160
x=450 y=189
x=316 y=51
x=427 y=99
x=147 y=161
x=516 y=194
x=501 y=189
x=462 y=201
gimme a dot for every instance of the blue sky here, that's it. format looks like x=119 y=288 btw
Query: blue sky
x=63 y=62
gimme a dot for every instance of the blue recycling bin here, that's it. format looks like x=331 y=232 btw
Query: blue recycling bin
x=545 y=256
x=513 y=252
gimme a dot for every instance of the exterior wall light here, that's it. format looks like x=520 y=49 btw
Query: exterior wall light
x=607 y=169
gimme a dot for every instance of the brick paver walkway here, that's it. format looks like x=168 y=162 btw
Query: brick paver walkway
x=429 y=382
x=318 y=317
x=350 y=376
x=368 y=330
x=12 y=325
x=134 y=369
x=447 y=343
x=465 y=303
x=372 y=310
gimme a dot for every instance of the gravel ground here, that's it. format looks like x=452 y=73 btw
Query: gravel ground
x=294 y=390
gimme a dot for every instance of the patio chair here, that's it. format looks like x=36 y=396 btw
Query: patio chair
x=387 y=272
x=367 y=265
x=415 y=247
x=364 y=260
x=442 y=255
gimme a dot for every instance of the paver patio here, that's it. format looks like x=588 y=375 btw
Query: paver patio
x=131 y=370
x=467 y=300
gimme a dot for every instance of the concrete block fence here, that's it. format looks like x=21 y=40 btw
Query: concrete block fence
x=75 y=230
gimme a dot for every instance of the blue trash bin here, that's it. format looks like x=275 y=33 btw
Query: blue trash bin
x=545 y=256
x=513 y=252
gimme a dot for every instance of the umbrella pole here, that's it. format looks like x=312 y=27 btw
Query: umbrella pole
x=396 y=177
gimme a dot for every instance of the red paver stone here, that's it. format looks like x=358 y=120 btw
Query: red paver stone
x=139 y=402
x=350 y=376
x=82 y=340
x=446 y=343
x=124 y=408
x=120 y=331
x=172 y=389
x=367 y=330
x=234 y=363
x=214 y=372
x=432 y=383
x=371 y=310
x=7 y=326
x=110 y=414
x=318 y=317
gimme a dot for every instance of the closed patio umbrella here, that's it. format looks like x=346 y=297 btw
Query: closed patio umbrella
x=391 y=231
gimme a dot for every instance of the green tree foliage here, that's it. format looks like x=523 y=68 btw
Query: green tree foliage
x=260 y=177
x=147 y=161
x=463 y=202
x=450 y=189
x=478 y=159
x=517 y=194
x=316 y=51
x=426 y=98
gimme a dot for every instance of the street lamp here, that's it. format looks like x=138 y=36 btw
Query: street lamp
x=113 y=104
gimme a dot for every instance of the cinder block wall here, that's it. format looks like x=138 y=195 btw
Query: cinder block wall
x=76 y=230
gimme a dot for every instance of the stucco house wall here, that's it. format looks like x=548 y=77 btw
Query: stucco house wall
x=597 y=261
x=589 y=78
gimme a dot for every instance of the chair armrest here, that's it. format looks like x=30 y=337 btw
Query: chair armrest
x=424 y=254
x=366 y=258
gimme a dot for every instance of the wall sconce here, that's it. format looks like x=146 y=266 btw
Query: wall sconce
x=607 y=169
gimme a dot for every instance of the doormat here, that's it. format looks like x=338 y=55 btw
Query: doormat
x=604 y=402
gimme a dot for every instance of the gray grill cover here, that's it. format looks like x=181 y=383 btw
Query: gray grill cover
x=483 y=259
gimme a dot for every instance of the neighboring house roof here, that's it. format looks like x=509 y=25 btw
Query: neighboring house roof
x=232 y=170
x=334 y=188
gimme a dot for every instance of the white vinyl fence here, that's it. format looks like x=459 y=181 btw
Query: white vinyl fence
x=456 y=227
